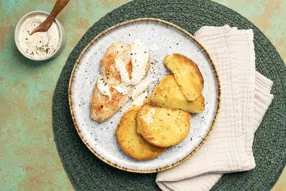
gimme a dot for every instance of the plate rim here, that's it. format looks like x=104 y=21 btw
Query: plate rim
x=71 y=80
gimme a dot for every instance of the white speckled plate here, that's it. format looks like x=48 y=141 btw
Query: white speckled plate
x=100 y=137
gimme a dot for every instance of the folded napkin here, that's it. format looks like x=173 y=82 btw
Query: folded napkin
x=245 y=97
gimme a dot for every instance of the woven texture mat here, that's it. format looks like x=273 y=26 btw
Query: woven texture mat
x=86 y=172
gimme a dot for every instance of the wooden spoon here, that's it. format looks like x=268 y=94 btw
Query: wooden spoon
x=44 y=26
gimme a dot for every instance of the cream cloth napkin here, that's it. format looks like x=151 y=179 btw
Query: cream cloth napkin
x=245 y=97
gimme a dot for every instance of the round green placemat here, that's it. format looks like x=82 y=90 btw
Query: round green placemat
x=86 y=172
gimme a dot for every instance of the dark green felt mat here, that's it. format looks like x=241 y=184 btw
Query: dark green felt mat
x=86 y=172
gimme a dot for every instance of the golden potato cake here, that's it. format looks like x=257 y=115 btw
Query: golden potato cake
x=147 y=100
x=187 y=75
x=168 y=94
x=131 y=142
x=162 y=127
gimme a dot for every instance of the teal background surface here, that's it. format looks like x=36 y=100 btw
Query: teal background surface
x=28 y=155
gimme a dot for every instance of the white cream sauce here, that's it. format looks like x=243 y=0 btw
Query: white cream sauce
x=140 y=88
x=136 y=85
x=102 y=86
x=122 y=89
x=140 y=58
x=121 y=68
x=41 y=44
x=140 y=99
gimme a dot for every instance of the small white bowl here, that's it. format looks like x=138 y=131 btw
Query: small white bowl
x=61 y=38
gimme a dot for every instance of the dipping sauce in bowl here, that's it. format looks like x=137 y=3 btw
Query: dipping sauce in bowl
x=41 y=45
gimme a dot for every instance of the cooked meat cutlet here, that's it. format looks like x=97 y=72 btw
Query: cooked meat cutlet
x=102 y=107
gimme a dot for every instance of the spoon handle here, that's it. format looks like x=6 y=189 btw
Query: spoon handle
x=44 y=26
x=59 y=6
